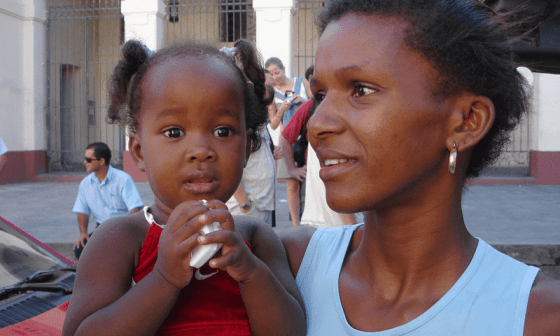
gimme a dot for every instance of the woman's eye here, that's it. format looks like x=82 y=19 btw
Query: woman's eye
x=222 y=132
x=362 y=90
x=319 y=96
x=173 y=133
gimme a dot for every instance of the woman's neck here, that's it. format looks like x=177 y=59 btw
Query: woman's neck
x=422 y=240
x=398 y=266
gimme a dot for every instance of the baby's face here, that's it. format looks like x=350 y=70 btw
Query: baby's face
x=192 y=130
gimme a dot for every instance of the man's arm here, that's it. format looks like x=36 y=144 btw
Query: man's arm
x=131 y=196
x=83 y=221
x=83 y=211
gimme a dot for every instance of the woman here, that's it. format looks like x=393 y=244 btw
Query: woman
x=289 y=95
x=416 y=96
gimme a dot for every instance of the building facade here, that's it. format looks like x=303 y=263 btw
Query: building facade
x=59 y=54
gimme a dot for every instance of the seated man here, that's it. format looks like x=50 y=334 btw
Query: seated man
x=106 y=192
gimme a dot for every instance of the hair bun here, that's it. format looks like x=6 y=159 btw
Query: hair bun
x=134 y=53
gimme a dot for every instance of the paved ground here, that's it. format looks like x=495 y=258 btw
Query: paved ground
x=509 y=215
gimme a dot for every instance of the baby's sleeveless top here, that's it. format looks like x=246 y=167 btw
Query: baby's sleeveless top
x=212 y=306
x=490 y=297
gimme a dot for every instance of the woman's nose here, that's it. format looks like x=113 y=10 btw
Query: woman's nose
x=325 y=120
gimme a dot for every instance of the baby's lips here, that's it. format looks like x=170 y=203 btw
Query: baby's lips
x=200 y=180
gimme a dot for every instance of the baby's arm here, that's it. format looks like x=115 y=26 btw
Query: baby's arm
x=104 y=302
x=270 y=294
x=267 y=286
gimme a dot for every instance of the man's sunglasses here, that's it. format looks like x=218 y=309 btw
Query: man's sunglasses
x=88 y=160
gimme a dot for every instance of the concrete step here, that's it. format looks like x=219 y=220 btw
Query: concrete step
x=545 y=257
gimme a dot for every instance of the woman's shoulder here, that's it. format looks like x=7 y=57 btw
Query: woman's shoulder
x=297 y=237
x=543 y=310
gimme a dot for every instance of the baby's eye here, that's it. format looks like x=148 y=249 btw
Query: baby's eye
x=173 y=132
x=222 y=132
x=361 y=90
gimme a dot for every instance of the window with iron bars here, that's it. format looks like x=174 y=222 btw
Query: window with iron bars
x=233 y=20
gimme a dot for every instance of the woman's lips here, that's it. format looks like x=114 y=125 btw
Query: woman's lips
x=332 y=162
x=331 y=168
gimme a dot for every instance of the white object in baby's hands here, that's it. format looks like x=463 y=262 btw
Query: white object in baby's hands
x=202 y=253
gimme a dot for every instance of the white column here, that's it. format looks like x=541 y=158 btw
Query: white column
x=275 y=30
x=546 y=113
x=34 y=75
x=144 y=20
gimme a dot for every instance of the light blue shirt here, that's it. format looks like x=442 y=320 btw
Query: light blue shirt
x=490 y=297
x=116 y=195
x=3 y=148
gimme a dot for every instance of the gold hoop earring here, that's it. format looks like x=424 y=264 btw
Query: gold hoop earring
x=453 y=159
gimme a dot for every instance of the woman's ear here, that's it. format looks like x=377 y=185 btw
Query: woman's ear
x=472 y=118
x=248 y=146
x=135 y=149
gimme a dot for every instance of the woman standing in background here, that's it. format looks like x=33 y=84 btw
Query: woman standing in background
x=289 y=95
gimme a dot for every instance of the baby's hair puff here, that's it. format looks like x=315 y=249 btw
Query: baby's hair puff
x=125 y=90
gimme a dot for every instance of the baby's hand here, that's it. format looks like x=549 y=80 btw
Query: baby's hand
x=235 y=257
x=177 y=241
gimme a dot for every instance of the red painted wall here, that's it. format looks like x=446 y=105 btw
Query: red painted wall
x=23 y=166
x=132 y=170
x=545 y=167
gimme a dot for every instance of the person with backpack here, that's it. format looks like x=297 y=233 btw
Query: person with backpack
x=290 y=94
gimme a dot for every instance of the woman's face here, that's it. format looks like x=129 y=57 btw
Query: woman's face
x=269 y=80
x=277 y=74
x=378 y=132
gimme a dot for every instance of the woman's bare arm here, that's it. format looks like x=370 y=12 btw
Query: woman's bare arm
x=275 y=118
x=543 y=310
